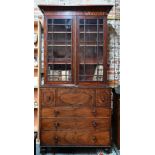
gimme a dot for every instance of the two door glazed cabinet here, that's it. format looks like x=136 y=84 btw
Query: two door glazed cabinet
x=75 y=100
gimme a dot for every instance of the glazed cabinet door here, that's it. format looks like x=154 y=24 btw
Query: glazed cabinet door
x=58 y=50
x=91 y=49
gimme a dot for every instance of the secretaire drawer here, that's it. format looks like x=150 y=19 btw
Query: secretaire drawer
x=75 y=112
x=103 y=124
x=82 y=138
x=75 y=97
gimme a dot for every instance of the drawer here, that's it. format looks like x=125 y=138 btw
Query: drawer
x=103 y=97
x=75 y=97
x=82 y=138
x=103 y=124
x=57 y=123
x=74 y=112
x=48 y=97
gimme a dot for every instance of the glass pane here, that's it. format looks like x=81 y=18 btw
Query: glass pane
x=90 y=37
x=61 y=37
x=100 y=39
x=49 y=49
x=86 y=78
x=91 y=28
x=49 y=36
x=58 y=21
x=59 y=72
x=91 y=21
x=62 y=21
x=57 y=52
x=100 y=28
x=81 y=21
x=81 y=28
x=89 y=54
x=61 y=52
x=50 y=28
x=100 y=54
x=49 y=21
x=100 y=21
x=89 y=69
x=61 y=28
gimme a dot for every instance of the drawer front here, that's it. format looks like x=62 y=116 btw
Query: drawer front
x=48 y=97
x=103 y=97
x=75 y=97
x=103 y=124
x=75 y=112
x=57 y=123
x=82 y=138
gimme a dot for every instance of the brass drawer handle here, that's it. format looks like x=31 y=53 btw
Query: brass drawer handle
x=94 y=139
x=56 y=113
x=94 y=124
x=56 y=125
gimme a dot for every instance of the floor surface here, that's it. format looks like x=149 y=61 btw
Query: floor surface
x=79 y=151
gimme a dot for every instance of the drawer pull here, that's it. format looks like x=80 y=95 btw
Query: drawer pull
x=49 y=98
x=94 y=124
x=103 y=99
x=94 y=112
x=56 y=113
x=56 y=124
x=56 y=139
x=94 y=139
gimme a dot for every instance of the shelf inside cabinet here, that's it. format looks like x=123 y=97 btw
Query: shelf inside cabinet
x=59 y=45
x=59 y=62
x=92 y=32
x=58 y=32
x=90 y=61
x=82 y=45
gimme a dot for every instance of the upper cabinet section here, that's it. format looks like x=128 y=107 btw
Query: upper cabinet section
x=75 y=44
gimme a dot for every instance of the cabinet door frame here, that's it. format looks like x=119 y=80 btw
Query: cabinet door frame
x=72 y=49
x=105 y=51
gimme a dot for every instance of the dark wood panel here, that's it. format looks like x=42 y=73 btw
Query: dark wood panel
x=75 y=97
x=75 y=138
x=48 y=97
x=116 y=119
x=103 y=97
x=75 y=112
x=74 y=10
x=103 y=124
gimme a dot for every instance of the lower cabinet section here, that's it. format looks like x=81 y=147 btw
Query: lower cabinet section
x=78 y=138
x=75 y=117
